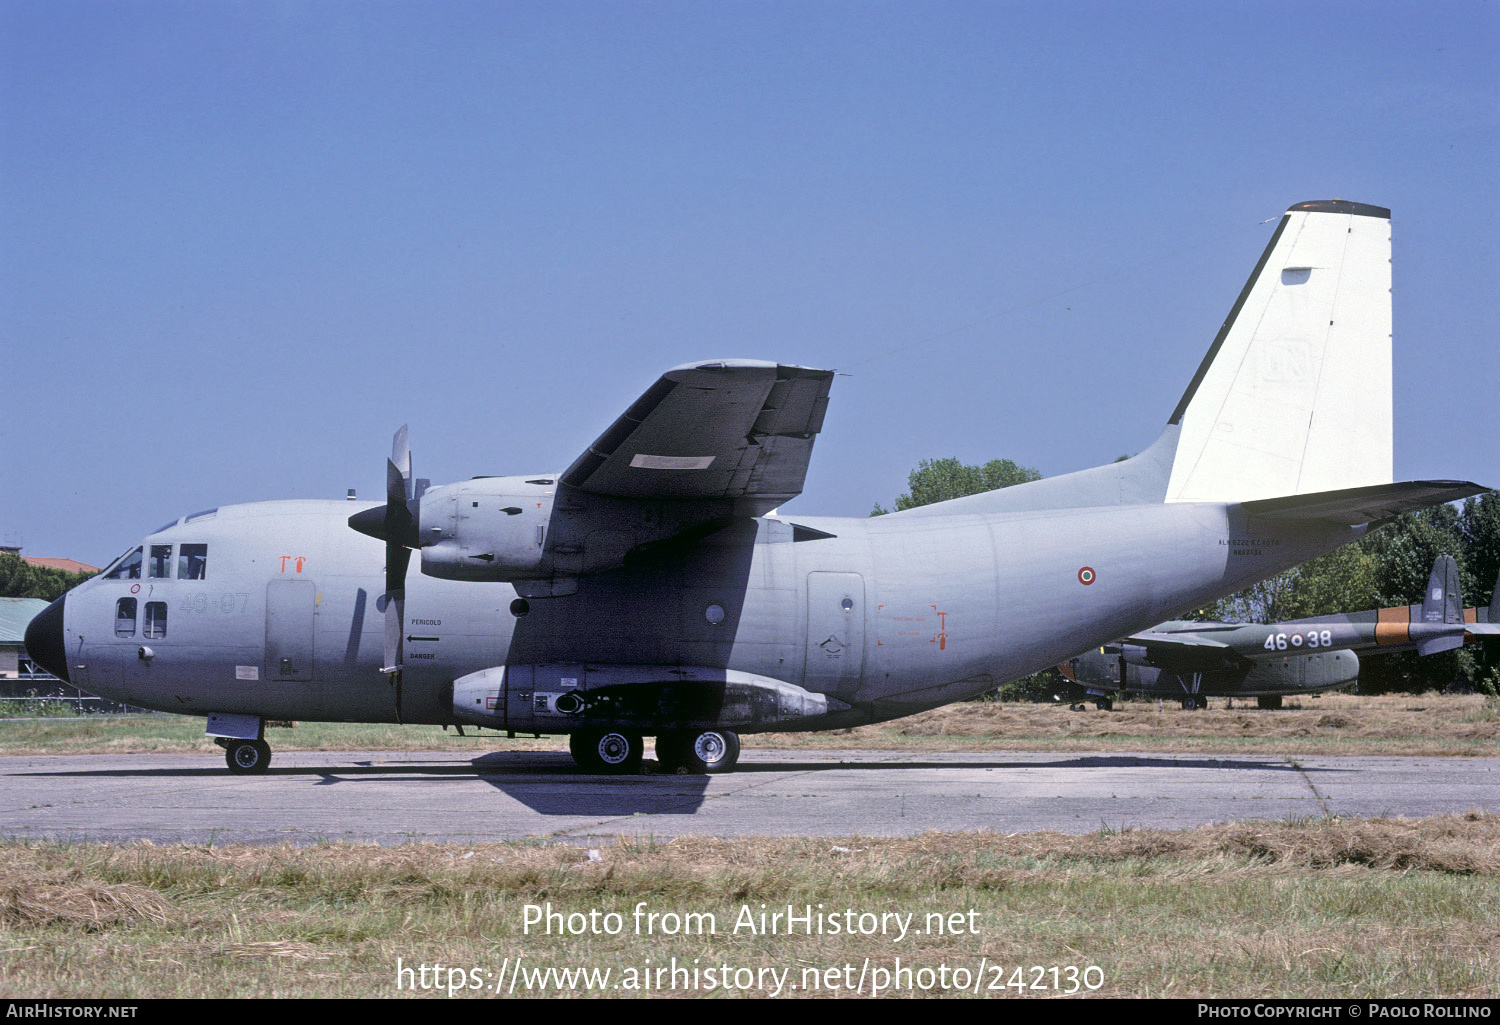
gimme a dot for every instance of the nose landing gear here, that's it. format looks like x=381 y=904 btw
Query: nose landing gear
x=247 y=757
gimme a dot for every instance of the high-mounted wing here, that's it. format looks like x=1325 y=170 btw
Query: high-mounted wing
x=739 y=429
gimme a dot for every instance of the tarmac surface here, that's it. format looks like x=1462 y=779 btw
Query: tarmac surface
x=400 y=797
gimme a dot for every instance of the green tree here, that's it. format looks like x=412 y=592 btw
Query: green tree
x=20 y=579
x=1479 y=524
x=938 y=480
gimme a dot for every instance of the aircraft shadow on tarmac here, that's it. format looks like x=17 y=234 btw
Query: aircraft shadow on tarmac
x=551 y=784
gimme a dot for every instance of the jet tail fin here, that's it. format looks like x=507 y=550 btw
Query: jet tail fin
x=1442 y=602
x=1294 y=396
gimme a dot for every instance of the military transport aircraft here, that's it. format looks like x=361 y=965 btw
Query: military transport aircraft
x=644 y=591
x=1193 y=660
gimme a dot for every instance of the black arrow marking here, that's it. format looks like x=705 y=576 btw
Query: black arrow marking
x=411 y=638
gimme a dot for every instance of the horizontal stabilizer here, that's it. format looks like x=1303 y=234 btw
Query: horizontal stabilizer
x=1372 y=504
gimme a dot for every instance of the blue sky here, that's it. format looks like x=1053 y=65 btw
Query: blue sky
x=242 y=243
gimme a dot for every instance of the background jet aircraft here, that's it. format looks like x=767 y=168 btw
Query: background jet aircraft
x=644 y=591
x=1193 y=661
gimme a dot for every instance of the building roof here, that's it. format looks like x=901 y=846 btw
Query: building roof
x=66 y=565
x=15 y=615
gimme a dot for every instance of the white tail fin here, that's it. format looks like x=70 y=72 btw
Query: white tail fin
x=1294 y=396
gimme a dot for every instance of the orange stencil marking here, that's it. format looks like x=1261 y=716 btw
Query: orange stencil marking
x=942 y=636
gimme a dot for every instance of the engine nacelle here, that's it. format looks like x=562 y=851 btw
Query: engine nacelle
x=488 y=528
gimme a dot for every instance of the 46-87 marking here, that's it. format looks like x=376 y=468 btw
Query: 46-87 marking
x=1313 y=639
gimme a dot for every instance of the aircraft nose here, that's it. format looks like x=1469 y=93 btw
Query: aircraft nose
x=44 y=640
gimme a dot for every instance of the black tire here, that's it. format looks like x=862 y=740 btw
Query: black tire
x=1268 y=701
x=1105 y=704
x=711 y=751
x=247 y=757
x=614 y=752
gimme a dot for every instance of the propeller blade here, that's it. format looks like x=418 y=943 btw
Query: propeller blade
x=400 y=462
x=396 y=524
x=395 y=612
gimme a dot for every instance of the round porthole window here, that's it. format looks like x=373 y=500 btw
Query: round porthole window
x=520 y=607
x=714 y=614
x=847 y=604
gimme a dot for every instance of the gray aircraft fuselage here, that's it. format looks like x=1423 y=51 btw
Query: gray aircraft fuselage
x=890 y=616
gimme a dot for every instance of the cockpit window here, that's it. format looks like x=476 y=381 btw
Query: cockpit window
x=156 y=620
x=125 y=617
x=160 y=565
x=192 y=562
x=128 y=568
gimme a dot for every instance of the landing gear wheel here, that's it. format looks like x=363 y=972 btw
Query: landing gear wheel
x=1194 y=701
x=1268 y=701
x=711 y=751
x=247 y=757
x=1104 y=704
x=608 y=751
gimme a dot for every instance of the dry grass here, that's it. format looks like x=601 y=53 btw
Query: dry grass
x=67 y=899
x=1329 y=907
x=1429 y=724
x=1426 y=724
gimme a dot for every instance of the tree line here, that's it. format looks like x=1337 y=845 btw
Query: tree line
x=20 y=579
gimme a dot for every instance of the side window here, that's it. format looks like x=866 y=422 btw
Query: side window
x=156 y=620
x=192 y=562
x=128 y=569
x=161 y=562
x=125 y=617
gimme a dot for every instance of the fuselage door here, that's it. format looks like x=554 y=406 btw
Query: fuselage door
x=290 y=607
x=835 y=633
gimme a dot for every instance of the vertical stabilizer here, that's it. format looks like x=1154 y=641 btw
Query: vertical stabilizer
x=1442 y=602
x=1294 y=396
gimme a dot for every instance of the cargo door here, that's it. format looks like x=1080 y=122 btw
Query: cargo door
x=835 y=633
x=290 y=607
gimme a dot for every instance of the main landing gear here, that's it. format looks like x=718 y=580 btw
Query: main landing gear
x=246 y=757
x=617 y=752
x=708 y=751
